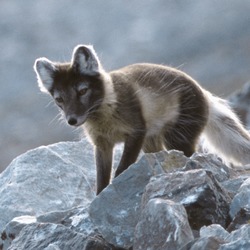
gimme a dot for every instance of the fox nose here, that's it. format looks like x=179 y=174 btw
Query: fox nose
x=72 y=121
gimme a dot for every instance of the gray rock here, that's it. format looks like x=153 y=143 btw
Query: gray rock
x=78 y=219
x=214 y=230
x=204 y=199
x=241 y=233
x=57 y=217
x=40 y=236
x=233 y=185
x=171 y=160
x=204 y=243
x=56 y=177
x=240 y=244
x=115 y=211
x=98 y=243
x=241 y=218
x=209 y=162
x=241 y=199
x=163 y=225
x=238 y=239
x=13 y=228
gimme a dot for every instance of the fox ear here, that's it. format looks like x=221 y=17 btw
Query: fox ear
x=44 y=69
x=85 y=60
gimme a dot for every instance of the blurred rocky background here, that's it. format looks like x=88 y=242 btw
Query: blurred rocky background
x=208 y=39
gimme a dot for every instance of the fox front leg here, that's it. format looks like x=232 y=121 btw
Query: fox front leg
x=103 y=156
x=132 y=147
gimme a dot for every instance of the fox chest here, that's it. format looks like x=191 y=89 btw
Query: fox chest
x=108 y=128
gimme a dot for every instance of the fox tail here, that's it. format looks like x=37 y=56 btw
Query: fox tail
x=225 y=133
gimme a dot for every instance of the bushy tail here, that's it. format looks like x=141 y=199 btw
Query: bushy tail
x=225 y=133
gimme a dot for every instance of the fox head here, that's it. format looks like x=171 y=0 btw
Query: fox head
x=77 y=87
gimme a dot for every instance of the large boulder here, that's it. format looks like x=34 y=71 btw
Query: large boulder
x=48 y=178
x=116 y=210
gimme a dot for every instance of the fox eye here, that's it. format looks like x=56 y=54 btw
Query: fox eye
x=59 y=99
x=82 y=91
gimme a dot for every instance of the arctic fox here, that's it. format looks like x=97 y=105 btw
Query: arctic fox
x=146 y=106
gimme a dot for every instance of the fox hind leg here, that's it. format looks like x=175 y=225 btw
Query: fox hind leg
x=176 y=139
x=184 y=135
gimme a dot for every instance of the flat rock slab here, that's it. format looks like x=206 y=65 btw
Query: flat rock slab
x=47 y=236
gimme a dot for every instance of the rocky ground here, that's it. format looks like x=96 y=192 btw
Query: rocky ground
x=164 y=201
x=208 y=40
